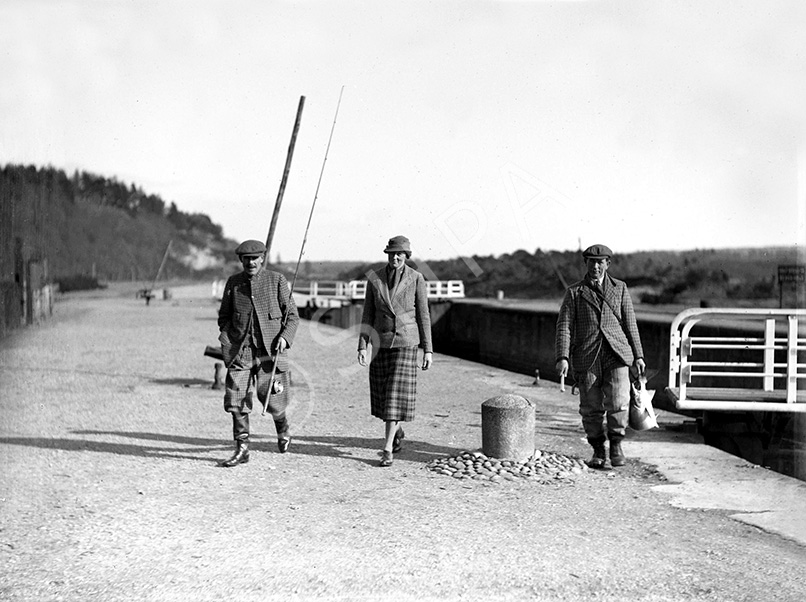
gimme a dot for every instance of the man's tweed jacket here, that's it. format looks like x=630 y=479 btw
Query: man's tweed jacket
x=584 y=319
x=270 y=296
x=399 y=320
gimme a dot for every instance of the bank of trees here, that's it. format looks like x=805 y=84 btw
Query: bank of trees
x=86 y=224
x=660 y=277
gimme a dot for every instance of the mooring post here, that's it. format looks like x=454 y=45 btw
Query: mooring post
x=508 y=427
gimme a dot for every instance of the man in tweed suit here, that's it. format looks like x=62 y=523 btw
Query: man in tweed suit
x=598 y=336
x=395 y=321
x=257 y=321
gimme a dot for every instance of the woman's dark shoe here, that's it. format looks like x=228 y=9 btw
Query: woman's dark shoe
x=386 y=459
x=241 y=455
x=283 y=443
x=397 y=443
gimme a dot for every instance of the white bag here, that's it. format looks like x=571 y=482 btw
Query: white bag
x=642 y=414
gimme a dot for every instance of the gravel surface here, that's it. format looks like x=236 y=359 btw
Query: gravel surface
x=110 y=488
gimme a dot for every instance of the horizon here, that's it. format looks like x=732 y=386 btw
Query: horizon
x=479 y=128
x=799 y=250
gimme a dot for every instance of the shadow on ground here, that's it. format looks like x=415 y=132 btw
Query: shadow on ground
x=175 y=447
x=340 y=447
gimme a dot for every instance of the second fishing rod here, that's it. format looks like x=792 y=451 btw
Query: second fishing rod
x=277 y=387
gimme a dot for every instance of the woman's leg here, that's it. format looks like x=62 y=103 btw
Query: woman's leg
x=391 y=429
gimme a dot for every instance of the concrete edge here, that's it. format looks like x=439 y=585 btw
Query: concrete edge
x=705 y=477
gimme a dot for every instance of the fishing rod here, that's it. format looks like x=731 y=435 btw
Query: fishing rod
x=272 y=386
x=316 y=194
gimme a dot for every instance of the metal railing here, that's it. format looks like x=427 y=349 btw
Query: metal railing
x=773 y=360
x=357 y=289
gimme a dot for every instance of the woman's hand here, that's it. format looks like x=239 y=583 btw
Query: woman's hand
x=428 y=359
x=362 y=357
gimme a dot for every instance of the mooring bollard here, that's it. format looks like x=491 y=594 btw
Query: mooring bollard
x=508 y=427
x=218 y=379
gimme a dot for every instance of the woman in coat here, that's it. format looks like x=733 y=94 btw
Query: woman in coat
x=395 y=321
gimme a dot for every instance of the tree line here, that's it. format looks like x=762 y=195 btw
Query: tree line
x=654 y=277
x=85 y=224
x=90 y=225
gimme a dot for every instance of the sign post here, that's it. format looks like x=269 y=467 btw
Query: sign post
x=790 y=274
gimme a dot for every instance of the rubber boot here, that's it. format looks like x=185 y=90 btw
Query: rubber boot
x=617 y=457
x=599 y=457
x=241 y=455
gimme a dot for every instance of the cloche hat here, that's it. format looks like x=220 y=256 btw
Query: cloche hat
x=397 y=244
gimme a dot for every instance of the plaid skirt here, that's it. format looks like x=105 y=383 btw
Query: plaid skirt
x=393 y=383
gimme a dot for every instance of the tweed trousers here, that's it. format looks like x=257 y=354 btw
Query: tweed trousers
x=247 y=377
x=604 y=400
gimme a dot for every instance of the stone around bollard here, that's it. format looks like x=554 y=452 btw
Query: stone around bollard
x=508 y=427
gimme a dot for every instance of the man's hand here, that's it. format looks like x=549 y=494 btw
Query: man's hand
x=562 y=367
x=362 y=357
x=428 y=359
x=640 y=365
x=281 y=346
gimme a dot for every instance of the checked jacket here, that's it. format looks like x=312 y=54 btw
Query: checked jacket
x=585 y=320
x=269 y=295
x=397 y=318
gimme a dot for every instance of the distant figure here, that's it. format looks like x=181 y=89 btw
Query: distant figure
x=395 y=322
x=252 y=335
x=598 y=335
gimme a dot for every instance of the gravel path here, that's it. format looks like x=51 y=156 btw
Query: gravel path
x=110 y=490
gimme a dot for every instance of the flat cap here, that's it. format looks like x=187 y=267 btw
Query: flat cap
x=250 y=247
x=397 y=244
x=597 y=252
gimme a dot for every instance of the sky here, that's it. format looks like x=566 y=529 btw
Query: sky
x=472 y=127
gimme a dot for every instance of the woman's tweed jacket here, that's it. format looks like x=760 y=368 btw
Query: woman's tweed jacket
x=399 y=320
x=270 y=296
x=584 y=319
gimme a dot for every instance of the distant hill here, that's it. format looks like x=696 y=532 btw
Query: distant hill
x=85 y=224
x=314 y=270
x=660 y=277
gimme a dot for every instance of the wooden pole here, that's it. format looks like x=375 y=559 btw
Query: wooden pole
x=304 y=239
x=159 y=271
x=284 y=179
